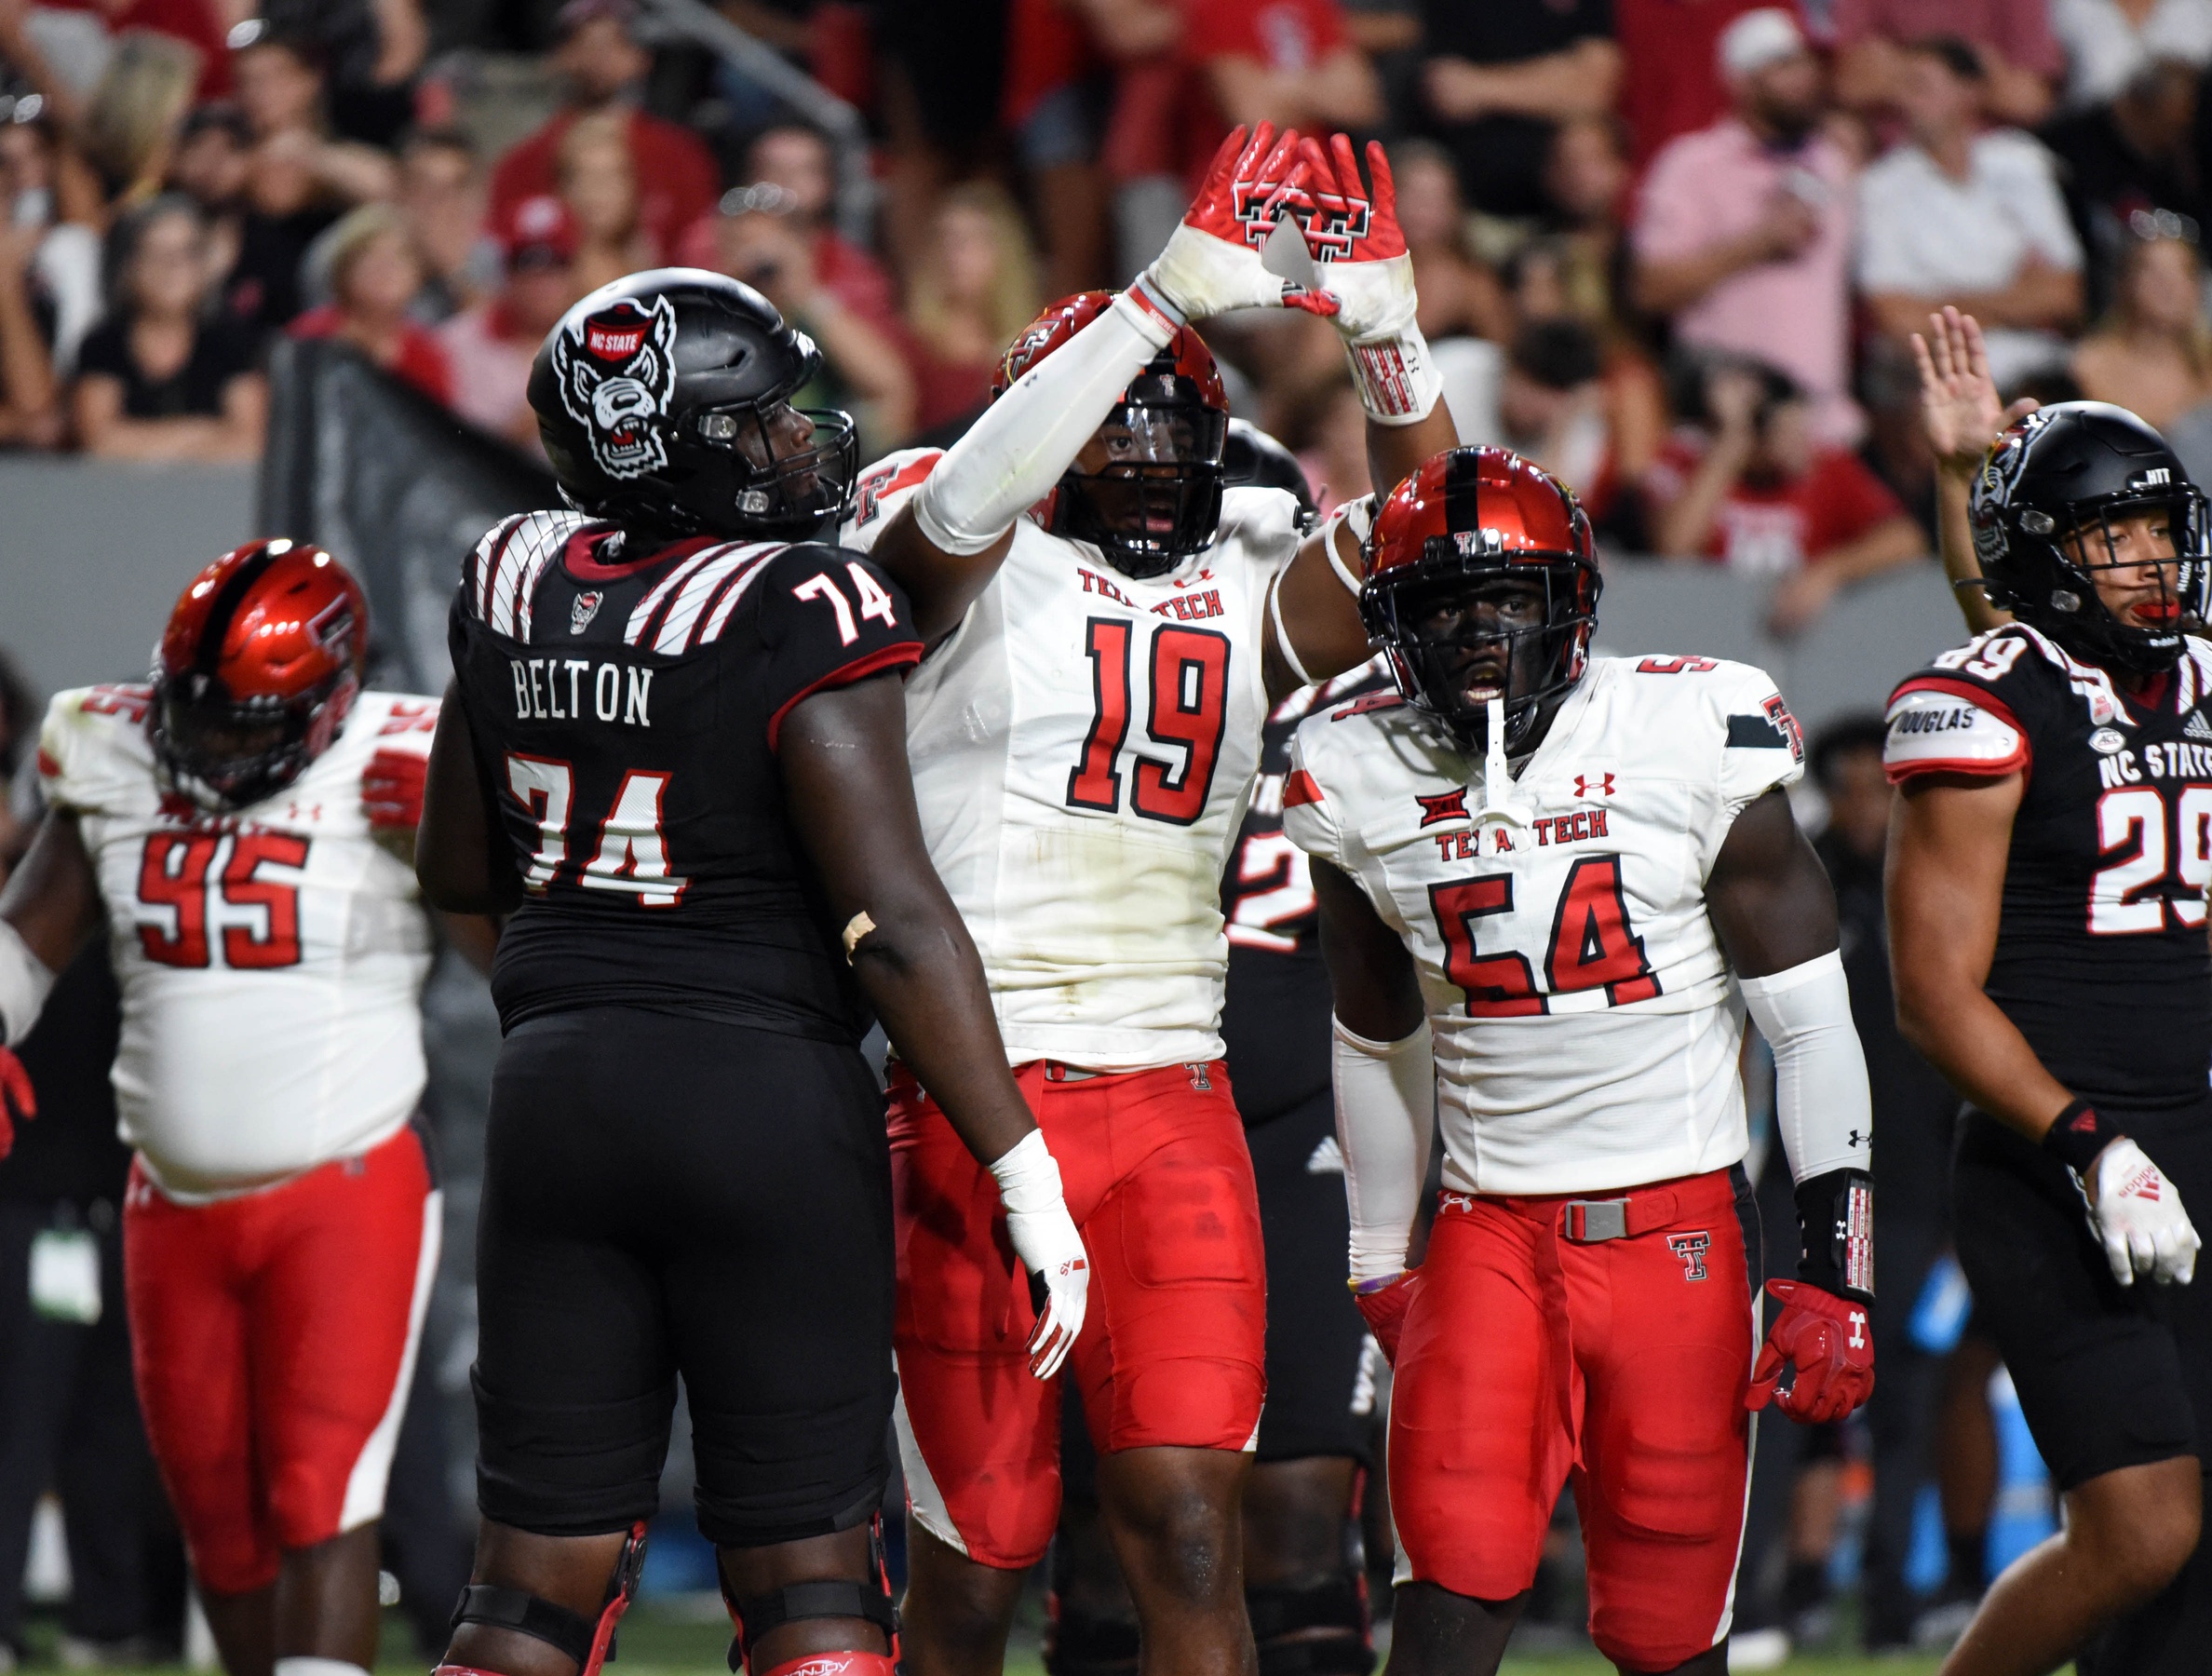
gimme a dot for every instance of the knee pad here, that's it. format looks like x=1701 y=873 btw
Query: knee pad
x=1082 y=1643
x=755 y=1616
x=589 y=1641
x=1312 y=1630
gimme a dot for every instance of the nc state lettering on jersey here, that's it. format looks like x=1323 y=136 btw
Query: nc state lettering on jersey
x=610 y=692
x=2175 y=761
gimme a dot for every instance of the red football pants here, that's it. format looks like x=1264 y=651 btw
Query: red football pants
x=1528 y=1357
x=1173 y=1345
x=273 y=1336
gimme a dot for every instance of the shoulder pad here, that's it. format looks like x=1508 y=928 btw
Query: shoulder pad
x=1390 y=699
x=884 y=486
x=501 y=575
x=1939 y=726
x=79 y=741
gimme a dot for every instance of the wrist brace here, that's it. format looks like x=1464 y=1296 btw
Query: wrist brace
x=1822 y=1104
x=1385 y=1109
x=1836 y=1232
x=1397 y=377
x=1025 y=440
x=2077 y=1135
x=1027 y=1176
x=24 y=982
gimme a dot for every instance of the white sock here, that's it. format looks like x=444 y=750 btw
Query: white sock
x=300 y=1665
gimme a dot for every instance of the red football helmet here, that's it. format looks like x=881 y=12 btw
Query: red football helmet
x=1482 y=581
x=256 y=670
x=1159 y=498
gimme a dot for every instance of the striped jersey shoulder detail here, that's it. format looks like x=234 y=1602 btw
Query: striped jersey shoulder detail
x=510 y=562
x=691 y=606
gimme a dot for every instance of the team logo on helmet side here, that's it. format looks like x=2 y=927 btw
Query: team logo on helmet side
x=617 y=373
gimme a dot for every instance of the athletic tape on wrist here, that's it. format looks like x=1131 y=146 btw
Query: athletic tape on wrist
x=2077 y=1135
x=1027 y=1176
x=1397 y=377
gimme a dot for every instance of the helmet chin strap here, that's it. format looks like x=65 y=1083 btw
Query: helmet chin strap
x=1500 y=805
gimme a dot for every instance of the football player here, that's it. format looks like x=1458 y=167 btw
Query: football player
x=2047 y=906
x=1551 y=884
x=677 y=753
x=1109 y=629
x=241 y=827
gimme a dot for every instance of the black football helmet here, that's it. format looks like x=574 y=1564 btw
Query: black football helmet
x=2068 y=471
x=658 y=398
x=1254 y=459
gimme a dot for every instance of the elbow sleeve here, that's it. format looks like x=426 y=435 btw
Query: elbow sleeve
x=1822 y=1104
x=1386 y=1111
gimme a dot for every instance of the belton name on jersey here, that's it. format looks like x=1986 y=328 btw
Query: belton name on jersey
x=1084 y=745
x=1574 y=895
x=271 y=958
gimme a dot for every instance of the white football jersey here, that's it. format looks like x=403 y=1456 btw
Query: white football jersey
x=271 y=961
x=1586 y=1026
x=1082 y=747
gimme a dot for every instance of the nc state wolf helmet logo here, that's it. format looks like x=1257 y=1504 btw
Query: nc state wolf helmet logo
x=617 y=372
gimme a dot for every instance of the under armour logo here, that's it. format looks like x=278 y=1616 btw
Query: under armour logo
x=1859 y=1138
x=1443 y=807
x=1602 y=783
x=1858 y=1329
x=1691 y=1248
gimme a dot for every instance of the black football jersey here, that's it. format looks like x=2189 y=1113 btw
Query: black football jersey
x=2102 y=959
x=1275 y=1018
x=628 y=714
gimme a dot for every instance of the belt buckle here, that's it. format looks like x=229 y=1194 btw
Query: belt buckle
x=1591 y=1222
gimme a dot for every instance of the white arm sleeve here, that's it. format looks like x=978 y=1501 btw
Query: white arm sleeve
x=1385 y=1109
x=1822 y=1105
x=1013 y=455
x=24 y=980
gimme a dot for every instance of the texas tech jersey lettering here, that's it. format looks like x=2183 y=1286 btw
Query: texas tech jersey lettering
x=628 y=710
x=2101 y=957
x=1587 y=1027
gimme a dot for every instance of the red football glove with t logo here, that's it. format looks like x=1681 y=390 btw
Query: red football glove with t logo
x=19 y=1101
x=1353 y=234
x=1383 y=1304
x=1211 y=264
x=1830 y=1339
x=392 y=790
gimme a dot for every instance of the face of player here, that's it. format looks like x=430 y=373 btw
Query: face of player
x=2135 y=561
x=1138 y=458
x=1489 y=636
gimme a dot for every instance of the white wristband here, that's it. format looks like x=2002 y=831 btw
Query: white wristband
x=1027 y=1176
x=1398 y=378
x=24 y=982
x=1823 y=1107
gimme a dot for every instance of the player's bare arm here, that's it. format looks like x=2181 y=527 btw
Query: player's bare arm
x=1963 y=416
x=947 y=542
x=48 y=910
x=1372 y=980
x=1768 y=894
x=462 y=860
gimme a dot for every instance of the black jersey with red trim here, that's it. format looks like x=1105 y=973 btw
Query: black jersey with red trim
x=2101 y=958
x=628 y=715
x=1275 y=1018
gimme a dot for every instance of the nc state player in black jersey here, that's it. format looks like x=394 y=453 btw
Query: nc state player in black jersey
x=2047 y=924
x=675 y=754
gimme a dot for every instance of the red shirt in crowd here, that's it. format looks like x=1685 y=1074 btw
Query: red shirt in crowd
x=193 y=21
x=1047 y=47
x=1774 y=529
x=420 y=361
x=678 y=181
x=1670 y=69
x=2016 y=33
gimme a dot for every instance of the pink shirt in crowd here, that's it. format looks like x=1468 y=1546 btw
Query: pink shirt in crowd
x=1715 y=184
x=490 y=370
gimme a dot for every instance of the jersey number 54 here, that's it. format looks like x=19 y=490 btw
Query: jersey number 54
x=1592 y=944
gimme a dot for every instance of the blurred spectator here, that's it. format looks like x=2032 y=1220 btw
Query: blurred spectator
x=1053 y=108
x=212 y=167
x=601 y=65
x=156 y=381
x=2019 y=58
x=295 y=162
x=2110 y=42
x=1975 y=219
x=1670 y=68
x=489 y=347
x=375 y=272
x=763 y=243
x=599 y=182
x=29 y=407
x=1897 y=448
x=1551 y=405
x=2134 y=157
x=1743 y=235
x=135 y=112
x=442 y=197
x=373 y=50
x=1290 y=63
x=62 y=48
x=798 y=159
x=1557 y=278
x=1746 y=484
x=976 y=287
x=1459 y=295
x=52 y=207
x=2152 y=353
x=1331 y=443
x=1500 y=75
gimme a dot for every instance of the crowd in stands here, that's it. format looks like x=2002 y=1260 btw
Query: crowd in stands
x=1675 y=250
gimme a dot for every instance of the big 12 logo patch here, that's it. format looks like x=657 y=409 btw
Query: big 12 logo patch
x=617 y=372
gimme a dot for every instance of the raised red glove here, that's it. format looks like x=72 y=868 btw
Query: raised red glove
x=1829 y=1339
x=392 y=790
x=1211 y=262
x=1384 y=1306
x=16 y=1093
x=1347 y=222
